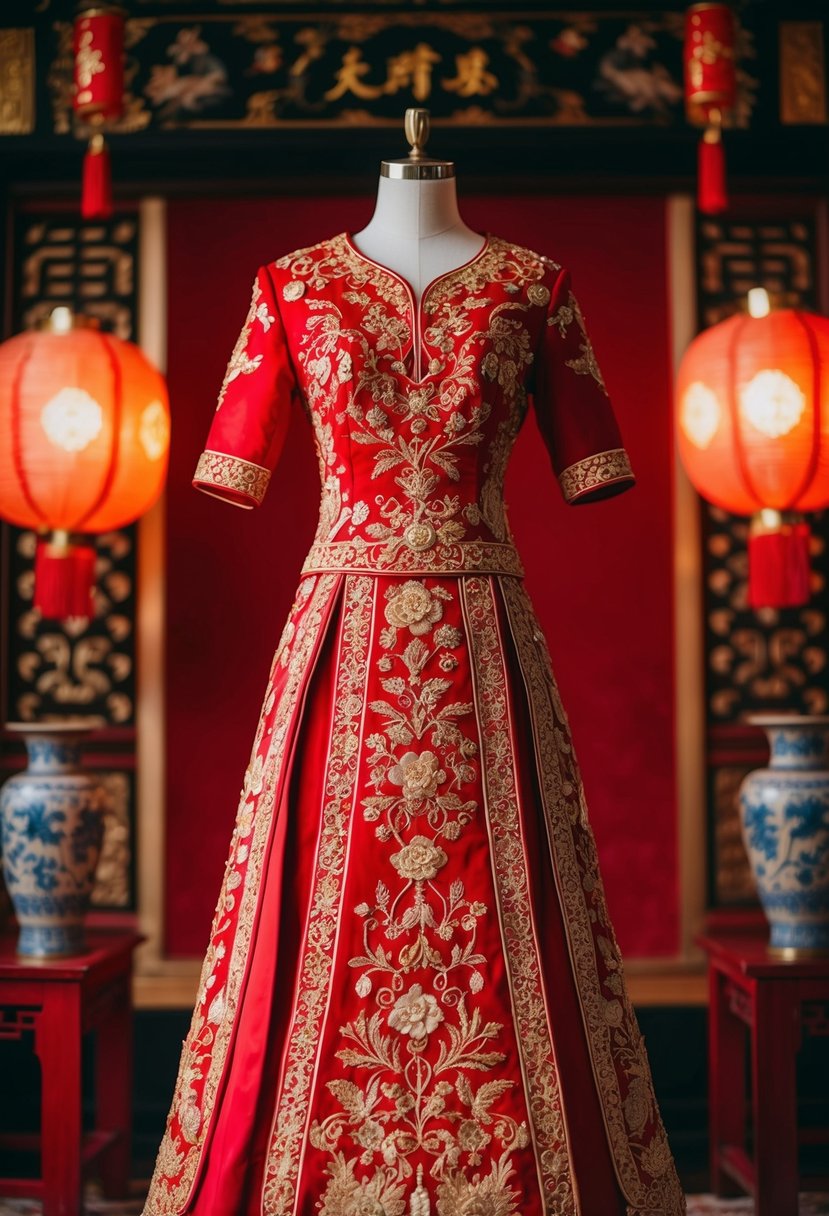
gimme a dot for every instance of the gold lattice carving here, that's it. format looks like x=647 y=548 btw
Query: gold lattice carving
x=17 y=81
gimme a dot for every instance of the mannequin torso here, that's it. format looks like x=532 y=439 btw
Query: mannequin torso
x=417 y=231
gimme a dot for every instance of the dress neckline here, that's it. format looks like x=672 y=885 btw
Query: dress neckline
x=349 y=240
x=416 y=307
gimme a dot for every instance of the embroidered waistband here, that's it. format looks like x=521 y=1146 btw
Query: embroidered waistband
x=399 y=557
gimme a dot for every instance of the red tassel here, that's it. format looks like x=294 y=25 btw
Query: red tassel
x=711 y=193
x=64 y=578
x=779 y=565
x=96 y=192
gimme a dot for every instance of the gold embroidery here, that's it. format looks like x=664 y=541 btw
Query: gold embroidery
x=620 y=1066
x=242 y=364
x=303 y=1041
x=354 y=334
x=423 y=769
x=593 y=471
x=419 y=431
x=464 y=557
x=493 y=508
x=294 y=290
x=205 y=1048
x=509 y=865
x=232 y=473
x=537 y=293
x=585 y=363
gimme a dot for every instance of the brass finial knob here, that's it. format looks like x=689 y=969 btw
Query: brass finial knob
x=416 y=125
x=417 y=166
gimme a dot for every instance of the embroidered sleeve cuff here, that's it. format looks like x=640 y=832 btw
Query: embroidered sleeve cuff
x=597 y=476
x=234 y=480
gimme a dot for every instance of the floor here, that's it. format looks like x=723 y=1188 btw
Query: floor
x=698 y=1205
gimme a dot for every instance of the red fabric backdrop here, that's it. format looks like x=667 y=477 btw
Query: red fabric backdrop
x=600 y=575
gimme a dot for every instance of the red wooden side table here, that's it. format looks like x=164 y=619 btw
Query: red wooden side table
x=60 y=1000
x=773 y=1002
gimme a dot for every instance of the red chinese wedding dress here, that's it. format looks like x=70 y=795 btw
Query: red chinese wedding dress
x=413 y=1002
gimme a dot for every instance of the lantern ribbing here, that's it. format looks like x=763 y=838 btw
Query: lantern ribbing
x=754 y=437
x=16 y=438
x=116 y=407
x=86 y=426
x=809 y=475
x=736 y=422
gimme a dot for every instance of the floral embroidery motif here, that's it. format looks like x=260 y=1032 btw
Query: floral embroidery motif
x=241 y=364
x=264 y=317
x=231 y=473
x=438 y=1090
x=585 y=364
x=415 y=1013
x=416 y=433
x=635 y=1129
x=309 y=1008
x=294 y=290
x=594 y=471
x=205 y=1047
x=538 y=294
x=414 y=608
x=563 y=316
x=419 y=860
x=520 y=948
x=429 y=1057
x=465 y=556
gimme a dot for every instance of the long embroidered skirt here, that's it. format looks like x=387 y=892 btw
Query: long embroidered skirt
x=413 y=1000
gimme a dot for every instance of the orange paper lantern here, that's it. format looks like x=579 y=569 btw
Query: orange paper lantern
x=753 y=432
x=84 y=438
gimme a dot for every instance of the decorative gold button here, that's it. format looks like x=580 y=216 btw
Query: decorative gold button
x=420 y=536
x=293 y=290
x=537 y=293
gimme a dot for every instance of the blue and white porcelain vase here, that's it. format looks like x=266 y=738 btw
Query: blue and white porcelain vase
x=51 y=817
x=785 y=819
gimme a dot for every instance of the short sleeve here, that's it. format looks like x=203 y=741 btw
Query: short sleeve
x=249 y=426
x=572 y=406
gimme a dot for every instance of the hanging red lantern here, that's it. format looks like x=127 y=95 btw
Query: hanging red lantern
x=98 y=96
x=753 y=431
x=710 y=94
x=84 y=438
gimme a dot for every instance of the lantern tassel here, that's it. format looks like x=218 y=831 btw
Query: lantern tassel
x=711 y=192
x=96 y=190
x=64 y=578
x=778 y=562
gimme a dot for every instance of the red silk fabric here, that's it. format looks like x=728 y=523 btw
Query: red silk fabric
x=231 y=1176
x=600 y=577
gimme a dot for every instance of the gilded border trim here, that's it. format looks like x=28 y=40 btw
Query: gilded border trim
x=636 y=1135
x=231 y=473
x=597 y=470
x=515 y=913
x=463 y=557
x=224 y=970
x=316 y=969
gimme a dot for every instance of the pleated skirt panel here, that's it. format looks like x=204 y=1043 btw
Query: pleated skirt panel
x=433 y=1017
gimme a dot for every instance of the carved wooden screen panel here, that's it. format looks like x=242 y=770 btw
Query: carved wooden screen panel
x=225 y=70
x=53 y=670
x=769 y=659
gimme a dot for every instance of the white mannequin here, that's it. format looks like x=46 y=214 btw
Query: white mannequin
x=416 y=229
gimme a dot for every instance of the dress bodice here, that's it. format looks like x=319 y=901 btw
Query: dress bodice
x=414 y=407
